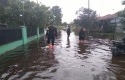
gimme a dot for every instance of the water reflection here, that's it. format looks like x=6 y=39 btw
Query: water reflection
x=82 y=48
x=117 y=66
x=68 y=43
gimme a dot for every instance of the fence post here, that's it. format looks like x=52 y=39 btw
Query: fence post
x=24 y=34
x=38 y=32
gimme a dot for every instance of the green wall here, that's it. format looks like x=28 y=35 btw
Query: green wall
x=10 y=46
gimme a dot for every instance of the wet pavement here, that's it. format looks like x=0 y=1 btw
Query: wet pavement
x=69 y=60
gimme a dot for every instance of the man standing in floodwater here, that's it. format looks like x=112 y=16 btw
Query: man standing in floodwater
x=51 y=35
x=68 y=31
x=82 y=35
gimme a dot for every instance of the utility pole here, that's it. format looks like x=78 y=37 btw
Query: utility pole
x=89 y=17
x=115 y=24
x=23 y=14
x=37 y=2
x=88 y=4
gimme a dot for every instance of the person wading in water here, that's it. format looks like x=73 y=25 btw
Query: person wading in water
x=81 y=35
x=51 y=35
x=68 y=31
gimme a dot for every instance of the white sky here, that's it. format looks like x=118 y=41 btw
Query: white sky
x=69 y=7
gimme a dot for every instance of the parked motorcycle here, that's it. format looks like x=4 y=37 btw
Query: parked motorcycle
x=118 y=47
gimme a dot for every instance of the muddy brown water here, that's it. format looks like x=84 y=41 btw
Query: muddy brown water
x=69 y=60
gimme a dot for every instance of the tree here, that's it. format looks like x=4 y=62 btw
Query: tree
x=20 y=12
x=122 y=14
x=57 y=14
x=64 y=24
x=86 y=18
x=123 y=2
x=4 y=2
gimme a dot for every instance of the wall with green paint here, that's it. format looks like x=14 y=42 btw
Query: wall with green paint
x=10 y=46
x=24 y=41
x=24 y=34
x=32 y=38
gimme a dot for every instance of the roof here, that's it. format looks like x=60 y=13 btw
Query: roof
x=106 y=17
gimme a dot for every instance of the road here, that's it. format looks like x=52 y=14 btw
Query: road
x=69 y=60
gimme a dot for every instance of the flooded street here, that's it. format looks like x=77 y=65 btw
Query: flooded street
x=69 y=60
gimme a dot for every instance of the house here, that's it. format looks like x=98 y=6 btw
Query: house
x=110 y=23
x=116 y=21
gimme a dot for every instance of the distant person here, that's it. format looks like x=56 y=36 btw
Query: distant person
x=51 y=34
x=68 y=31
x=81 y=35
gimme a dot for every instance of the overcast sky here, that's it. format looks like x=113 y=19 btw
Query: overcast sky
x=69 y=7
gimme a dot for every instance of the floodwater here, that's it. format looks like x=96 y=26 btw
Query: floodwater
x=69 y=60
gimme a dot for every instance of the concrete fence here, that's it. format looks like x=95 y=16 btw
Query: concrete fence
x=23 y=41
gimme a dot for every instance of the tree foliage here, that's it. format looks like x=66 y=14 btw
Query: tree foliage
x=122 y=14
x=26 y=12
x=57 y=14
x=86 y=17
x=123 y=2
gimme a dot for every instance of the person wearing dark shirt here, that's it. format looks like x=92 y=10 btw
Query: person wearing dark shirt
x=51 y=34
x=82 y=35
x=68 y=32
